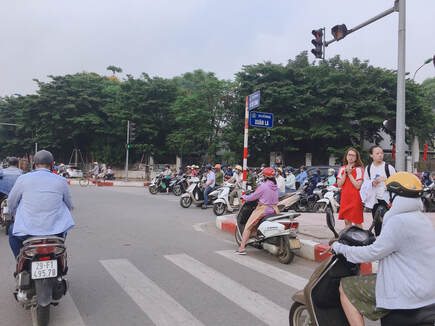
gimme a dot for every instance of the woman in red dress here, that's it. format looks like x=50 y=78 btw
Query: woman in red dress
x=350 y=177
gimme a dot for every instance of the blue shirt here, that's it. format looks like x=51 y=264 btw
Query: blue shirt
x=9 y=176
x=301 y=177
x=211 y=178
x=41 y=202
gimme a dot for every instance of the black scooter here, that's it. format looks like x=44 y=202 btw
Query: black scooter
x=318 y=304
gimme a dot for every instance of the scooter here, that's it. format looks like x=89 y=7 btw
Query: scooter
x=222 y=203
x=180 y=185
x=329 y=203
x=194 y=194
x=428 y=198
x=158 y=185
x=40 y=276
x=318 y=304
x=275 y=233
x=6 y=219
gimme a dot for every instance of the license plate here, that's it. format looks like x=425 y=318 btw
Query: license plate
x=44 y=269
x=295 y=244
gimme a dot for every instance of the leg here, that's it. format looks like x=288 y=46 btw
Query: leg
x=245 y=237
x=206 y=192
x=352 y=314
x=232 y=195
x=347 y=223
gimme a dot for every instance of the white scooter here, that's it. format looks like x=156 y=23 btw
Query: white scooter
x=329 y=201
x=222 y=203
x=194 y=194
x=275 y=233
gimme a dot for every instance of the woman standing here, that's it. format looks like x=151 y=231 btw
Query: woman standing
x=350 y=178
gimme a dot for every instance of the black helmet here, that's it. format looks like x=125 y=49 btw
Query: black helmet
x=44 y=157
x=12 y=161
x=208 y=167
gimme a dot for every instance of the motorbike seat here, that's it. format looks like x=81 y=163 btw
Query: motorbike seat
x=410 y=317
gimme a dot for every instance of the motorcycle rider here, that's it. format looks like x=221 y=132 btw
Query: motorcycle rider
x=167 y=176
x=425 y=179
x=209 y=184
x=219 y=175
x=41 y=202
x=237 y=180
x=405 y=250
x=9 y=177
x=301 y=177
x=332 y=180
x=267 y=195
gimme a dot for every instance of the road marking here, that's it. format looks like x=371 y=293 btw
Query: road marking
x=198 y=226
x=66 y=313
x=262 y=308
x=161 y=308
x=271 y=271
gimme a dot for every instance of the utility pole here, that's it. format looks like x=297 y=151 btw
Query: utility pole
x=400 y=105
x=126 y=150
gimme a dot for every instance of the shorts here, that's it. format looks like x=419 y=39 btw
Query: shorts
x=361 y=292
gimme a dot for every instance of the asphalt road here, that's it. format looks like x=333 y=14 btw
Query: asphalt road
x=139 y=259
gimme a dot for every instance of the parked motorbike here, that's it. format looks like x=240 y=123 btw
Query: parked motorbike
x=298 y=201
x=6 y=219
x=275 y=233
x=329 y=203
x=428 y=198
x=318 y=304
x=195 y=194
x=40 y=276
x=222 y=203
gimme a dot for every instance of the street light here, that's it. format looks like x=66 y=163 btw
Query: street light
x=425 y=63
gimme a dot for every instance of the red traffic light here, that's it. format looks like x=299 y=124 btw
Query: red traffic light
x=339 y=32
x=318 y=43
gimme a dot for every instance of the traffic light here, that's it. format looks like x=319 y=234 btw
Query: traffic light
x=318 y=43
x=339 y=32
x=132 y=134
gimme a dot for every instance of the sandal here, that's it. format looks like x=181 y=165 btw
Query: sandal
x=243 y=252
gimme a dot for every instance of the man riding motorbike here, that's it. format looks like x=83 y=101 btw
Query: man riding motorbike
x=8 y=177
x=41 y=202
x=267 y=195
x=405 y=249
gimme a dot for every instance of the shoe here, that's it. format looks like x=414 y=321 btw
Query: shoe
x=204 y=207
x=243 y=252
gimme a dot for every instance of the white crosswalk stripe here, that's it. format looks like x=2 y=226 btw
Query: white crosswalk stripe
x=277 y=274
x=161 y=308
x=259 y=306
x=66 y=313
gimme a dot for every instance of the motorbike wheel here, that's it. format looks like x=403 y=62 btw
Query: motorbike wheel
x=153 y=189
x=299 y=315
x=185 y=202
x=219 y=209
x=285 y=255
x=84 y=182
x=177 y=190
x=40 y=315
x=319 y=207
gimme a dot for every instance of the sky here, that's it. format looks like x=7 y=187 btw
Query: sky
x=167 y=38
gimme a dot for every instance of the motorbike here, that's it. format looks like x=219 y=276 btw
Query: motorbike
x=428 y=198
x=329 y=203
x=222 y=203
x=158 y=185
x=275 y=233
x=6 y=219
x=40 y=276
x=195 y=194
x=318 y=304
x=180 y=185
x=299 y=201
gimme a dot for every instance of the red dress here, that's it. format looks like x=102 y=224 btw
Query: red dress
x=351 y=207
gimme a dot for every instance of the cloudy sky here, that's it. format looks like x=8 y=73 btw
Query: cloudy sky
x=169 y=37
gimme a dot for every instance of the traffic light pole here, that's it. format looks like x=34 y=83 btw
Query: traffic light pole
x=126 y=150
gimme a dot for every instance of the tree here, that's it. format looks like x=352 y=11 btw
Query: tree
x=114 y=69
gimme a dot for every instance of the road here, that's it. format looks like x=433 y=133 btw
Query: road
x=139 y=259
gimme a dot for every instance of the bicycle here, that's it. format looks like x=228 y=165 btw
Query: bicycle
x=86 y=179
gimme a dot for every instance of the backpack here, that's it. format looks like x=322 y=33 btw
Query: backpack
x=387 y=169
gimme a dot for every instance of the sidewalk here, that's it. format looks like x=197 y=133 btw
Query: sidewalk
x=313 y=232
x=115 y=183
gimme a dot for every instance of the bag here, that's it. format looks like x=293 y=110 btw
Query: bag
x=387 y=169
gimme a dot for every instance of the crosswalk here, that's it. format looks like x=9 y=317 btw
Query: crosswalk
x=162 y=309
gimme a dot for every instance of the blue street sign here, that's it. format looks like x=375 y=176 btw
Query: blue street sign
x=254 y=100
x=261 y=119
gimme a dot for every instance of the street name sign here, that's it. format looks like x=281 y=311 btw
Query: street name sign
x=254 y=100
x=261 y=119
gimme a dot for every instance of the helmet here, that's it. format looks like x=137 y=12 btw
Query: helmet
x=217 y=166
x=331 y=171
x=268 y=172
x=43 y=157
x=238 y=167
x=404 y=184
x=279 y=170
x=208 y=167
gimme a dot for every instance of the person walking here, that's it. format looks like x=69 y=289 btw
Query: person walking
x=350 y=177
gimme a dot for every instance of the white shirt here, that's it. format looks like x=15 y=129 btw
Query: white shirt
x=280 y=182
x=378 y=171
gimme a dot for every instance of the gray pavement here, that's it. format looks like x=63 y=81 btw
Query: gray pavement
x=139 y=259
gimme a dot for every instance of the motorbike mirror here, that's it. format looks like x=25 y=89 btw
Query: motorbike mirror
x=330 y=221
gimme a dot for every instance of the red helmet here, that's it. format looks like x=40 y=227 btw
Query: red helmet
x=268 y=172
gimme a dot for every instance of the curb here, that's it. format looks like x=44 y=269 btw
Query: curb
x=310 y=249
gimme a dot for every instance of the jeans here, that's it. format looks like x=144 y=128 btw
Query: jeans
x=206 y=192
x=16 y=241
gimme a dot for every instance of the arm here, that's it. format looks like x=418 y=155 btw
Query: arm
x=15 y=195
x=357 y=182
x=67 y=196
x=341 y=177
x=256 y=195
x=385 y=244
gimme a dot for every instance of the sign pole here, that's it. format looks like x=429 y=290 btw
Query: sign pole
x=126 y=150
x=245 y=145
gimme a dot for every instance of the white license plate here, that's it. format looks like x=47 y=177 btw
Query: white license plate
x=44 y=269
